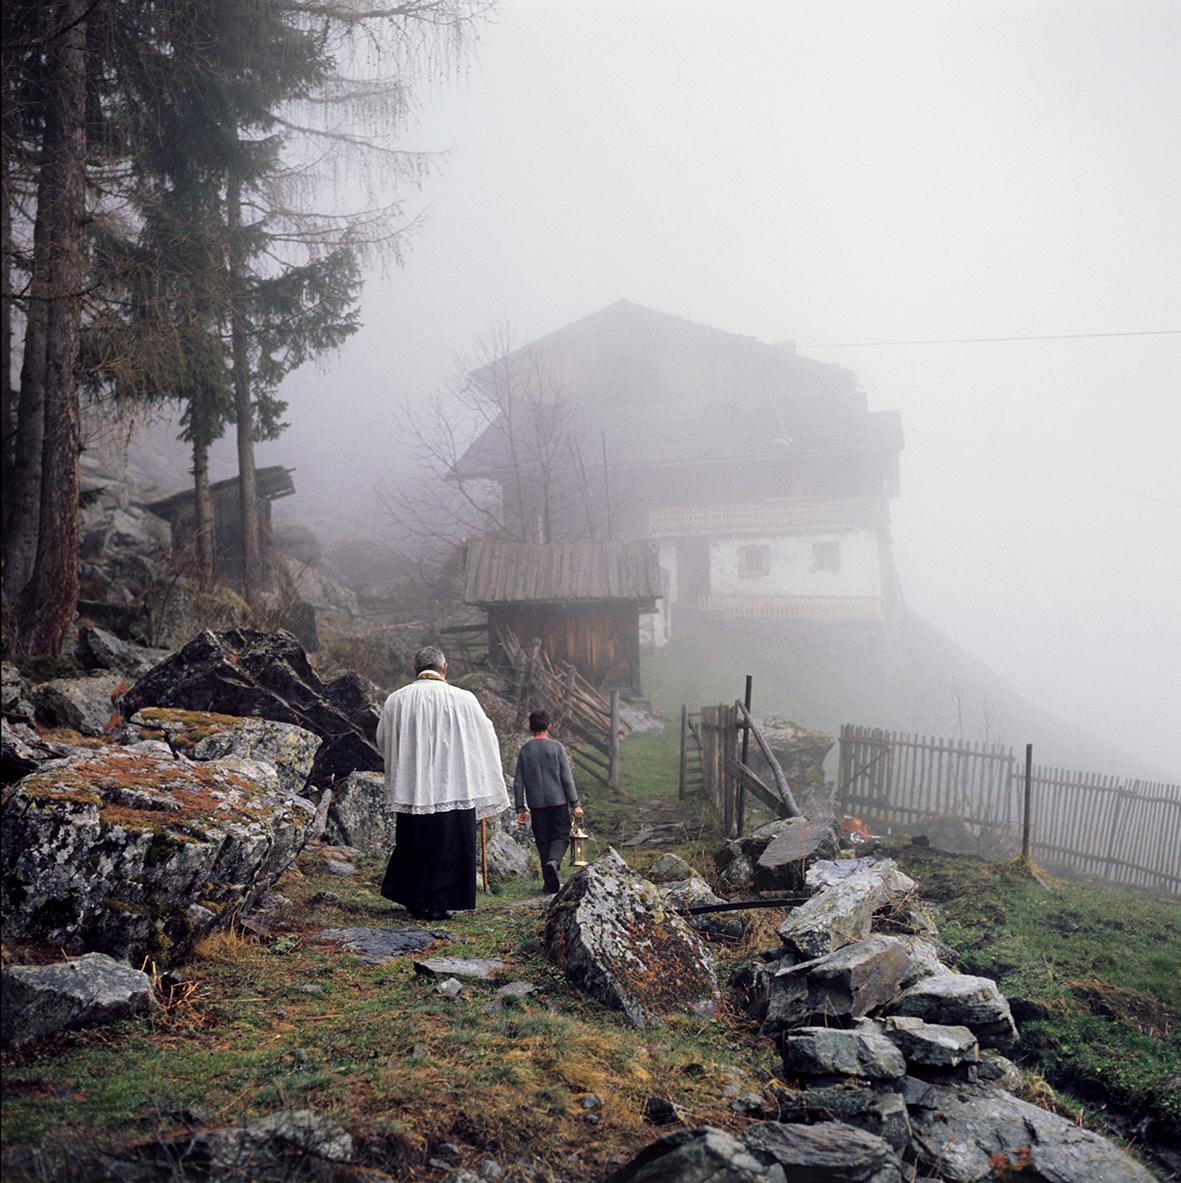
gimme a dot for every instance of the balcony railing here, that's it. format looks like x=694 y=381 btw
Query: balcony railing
x=766 y=517
x=830 y=608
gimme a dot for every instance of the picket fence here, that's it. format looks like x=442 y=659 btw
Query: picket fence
x=969 y=796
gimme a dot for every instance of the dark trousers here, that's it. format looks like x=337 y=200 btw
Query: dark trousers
x=433 y=867
x=551 y=832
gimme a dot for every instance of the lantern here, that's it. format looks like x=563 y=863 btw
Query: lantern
x=578 y=844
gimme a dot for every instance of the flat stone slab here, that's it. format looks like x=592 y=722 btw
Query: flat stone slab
x=459 y=967
x=961 y=1000
x=932 y=1045
x=785 y=860
x=38 y=1000
x=828 y=1152
x=376 y=946
x=970 y=1133
x=829 y=1051
x=844 y=985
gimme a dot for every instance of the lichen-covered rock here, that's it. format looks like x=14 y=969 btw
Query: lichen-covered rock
x=830 y=1051
x=20 y=751
x=704 y=1155
x=829 y=872
x=799 y=751
x=876 y=1108
x=842 y=986
x=358 y=815
x=827 y=1152
x=693 y=892
x=37 y=1000
x=843 y=912
x=292 y=1144
x=971 y=1133
x=14 y=702
x=506 y=859
x=84 y=704
x=135 y=856
x=99 y=649
x=201 y=735
x=669 y=868
x=932 y=1045
x=738 y=875
x=961 y=1000
x=245 y=672
x=613 y=935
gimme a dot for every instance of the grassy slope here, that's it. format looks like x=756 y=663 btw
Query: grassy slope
x=406 y=1068
x=384 y=1054
x=1094 y=975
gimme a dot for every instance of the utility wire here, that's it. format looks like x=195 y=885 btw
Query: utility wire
x=989 y=340
x=1047 y=468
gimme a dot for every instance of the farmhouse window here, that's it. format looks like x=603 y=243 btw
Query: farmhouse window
x=826 y=556
x=754 y=561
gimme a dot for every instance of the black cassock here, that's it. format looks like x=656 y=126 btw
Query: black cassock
x=433 y=866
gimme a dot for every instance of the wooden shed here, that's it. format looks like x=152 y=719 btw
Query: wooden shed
x=582 y=600
x=180 y=511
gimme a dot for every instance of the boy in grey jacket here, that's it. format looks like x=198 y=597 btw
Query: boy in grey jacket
x=544 y=787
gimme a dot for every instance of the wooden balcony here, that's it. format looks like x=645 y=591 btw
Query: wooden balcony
x=820 y=608
x=766 y=517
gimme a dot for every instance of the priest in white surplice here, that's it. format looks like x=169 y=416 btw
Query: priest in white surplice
x=442 y=774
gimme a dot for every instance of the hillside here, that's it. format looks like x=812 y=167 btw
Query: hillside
x=910 y=679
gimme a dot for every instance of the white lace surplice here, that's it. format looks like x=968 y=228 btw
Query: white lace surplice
x=440 y=751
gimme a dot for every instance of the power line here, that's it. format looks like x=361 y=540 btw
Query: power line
x=1048 y=468
x=990 y=340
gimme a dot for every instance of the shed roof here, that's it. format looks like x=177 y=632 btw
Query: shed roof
x=270 y=483
x=557 y=572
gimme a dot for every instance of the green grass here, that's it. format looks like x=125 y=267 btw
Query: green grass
x=400 y=1066
x=1093 y=974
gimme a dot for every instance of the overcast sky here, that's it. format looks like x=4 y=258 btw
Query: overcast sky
x=833 y=173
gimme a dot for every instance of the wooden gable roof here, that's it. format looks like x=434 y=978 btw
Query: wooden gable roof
x=560 y=572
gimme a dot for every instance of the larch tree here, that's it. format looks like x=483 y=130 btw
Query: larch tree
x=272 y=101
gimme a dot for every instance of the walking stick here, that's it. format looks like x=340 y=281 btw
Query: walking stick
x=484 y=849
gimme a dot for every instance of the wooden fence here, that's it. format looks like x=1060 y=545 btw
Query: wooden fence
x=588 y=721
x=711 y=753
x=969 y=797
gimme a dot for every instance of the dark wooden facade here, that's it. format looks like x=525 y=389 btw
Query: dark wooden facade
x=582 y=601
x=180 y=511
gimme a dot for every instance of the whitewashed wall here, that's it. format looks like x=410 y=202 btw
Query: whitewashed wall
x=792 y=570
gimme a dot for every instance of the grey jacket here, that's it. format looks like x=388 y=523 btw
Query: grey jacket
x=543 y=776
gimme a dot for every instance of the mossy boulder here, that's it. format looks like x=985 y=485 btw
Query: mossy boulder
x=135 y=855
x=245 y=672
x=205 y=735
x=613 y=935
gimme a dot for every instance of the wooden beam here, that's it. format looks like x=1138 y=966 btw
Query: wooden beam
x=784 y=789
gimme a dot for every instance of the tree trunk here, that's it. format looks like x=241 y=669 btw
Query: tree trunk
x=23 y=492
x=203 y=540
x=7 y=393
x=244 y=410
x=48 y=600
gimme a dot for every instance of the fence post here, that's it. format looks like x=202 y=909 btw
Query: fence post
x=1025 y=835
x=613 y=747
x=740 y=795
x=684 y=751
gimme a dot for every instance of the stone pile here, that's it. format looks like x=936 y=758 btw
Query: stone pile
x=775 y=857
x=891 y=1064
